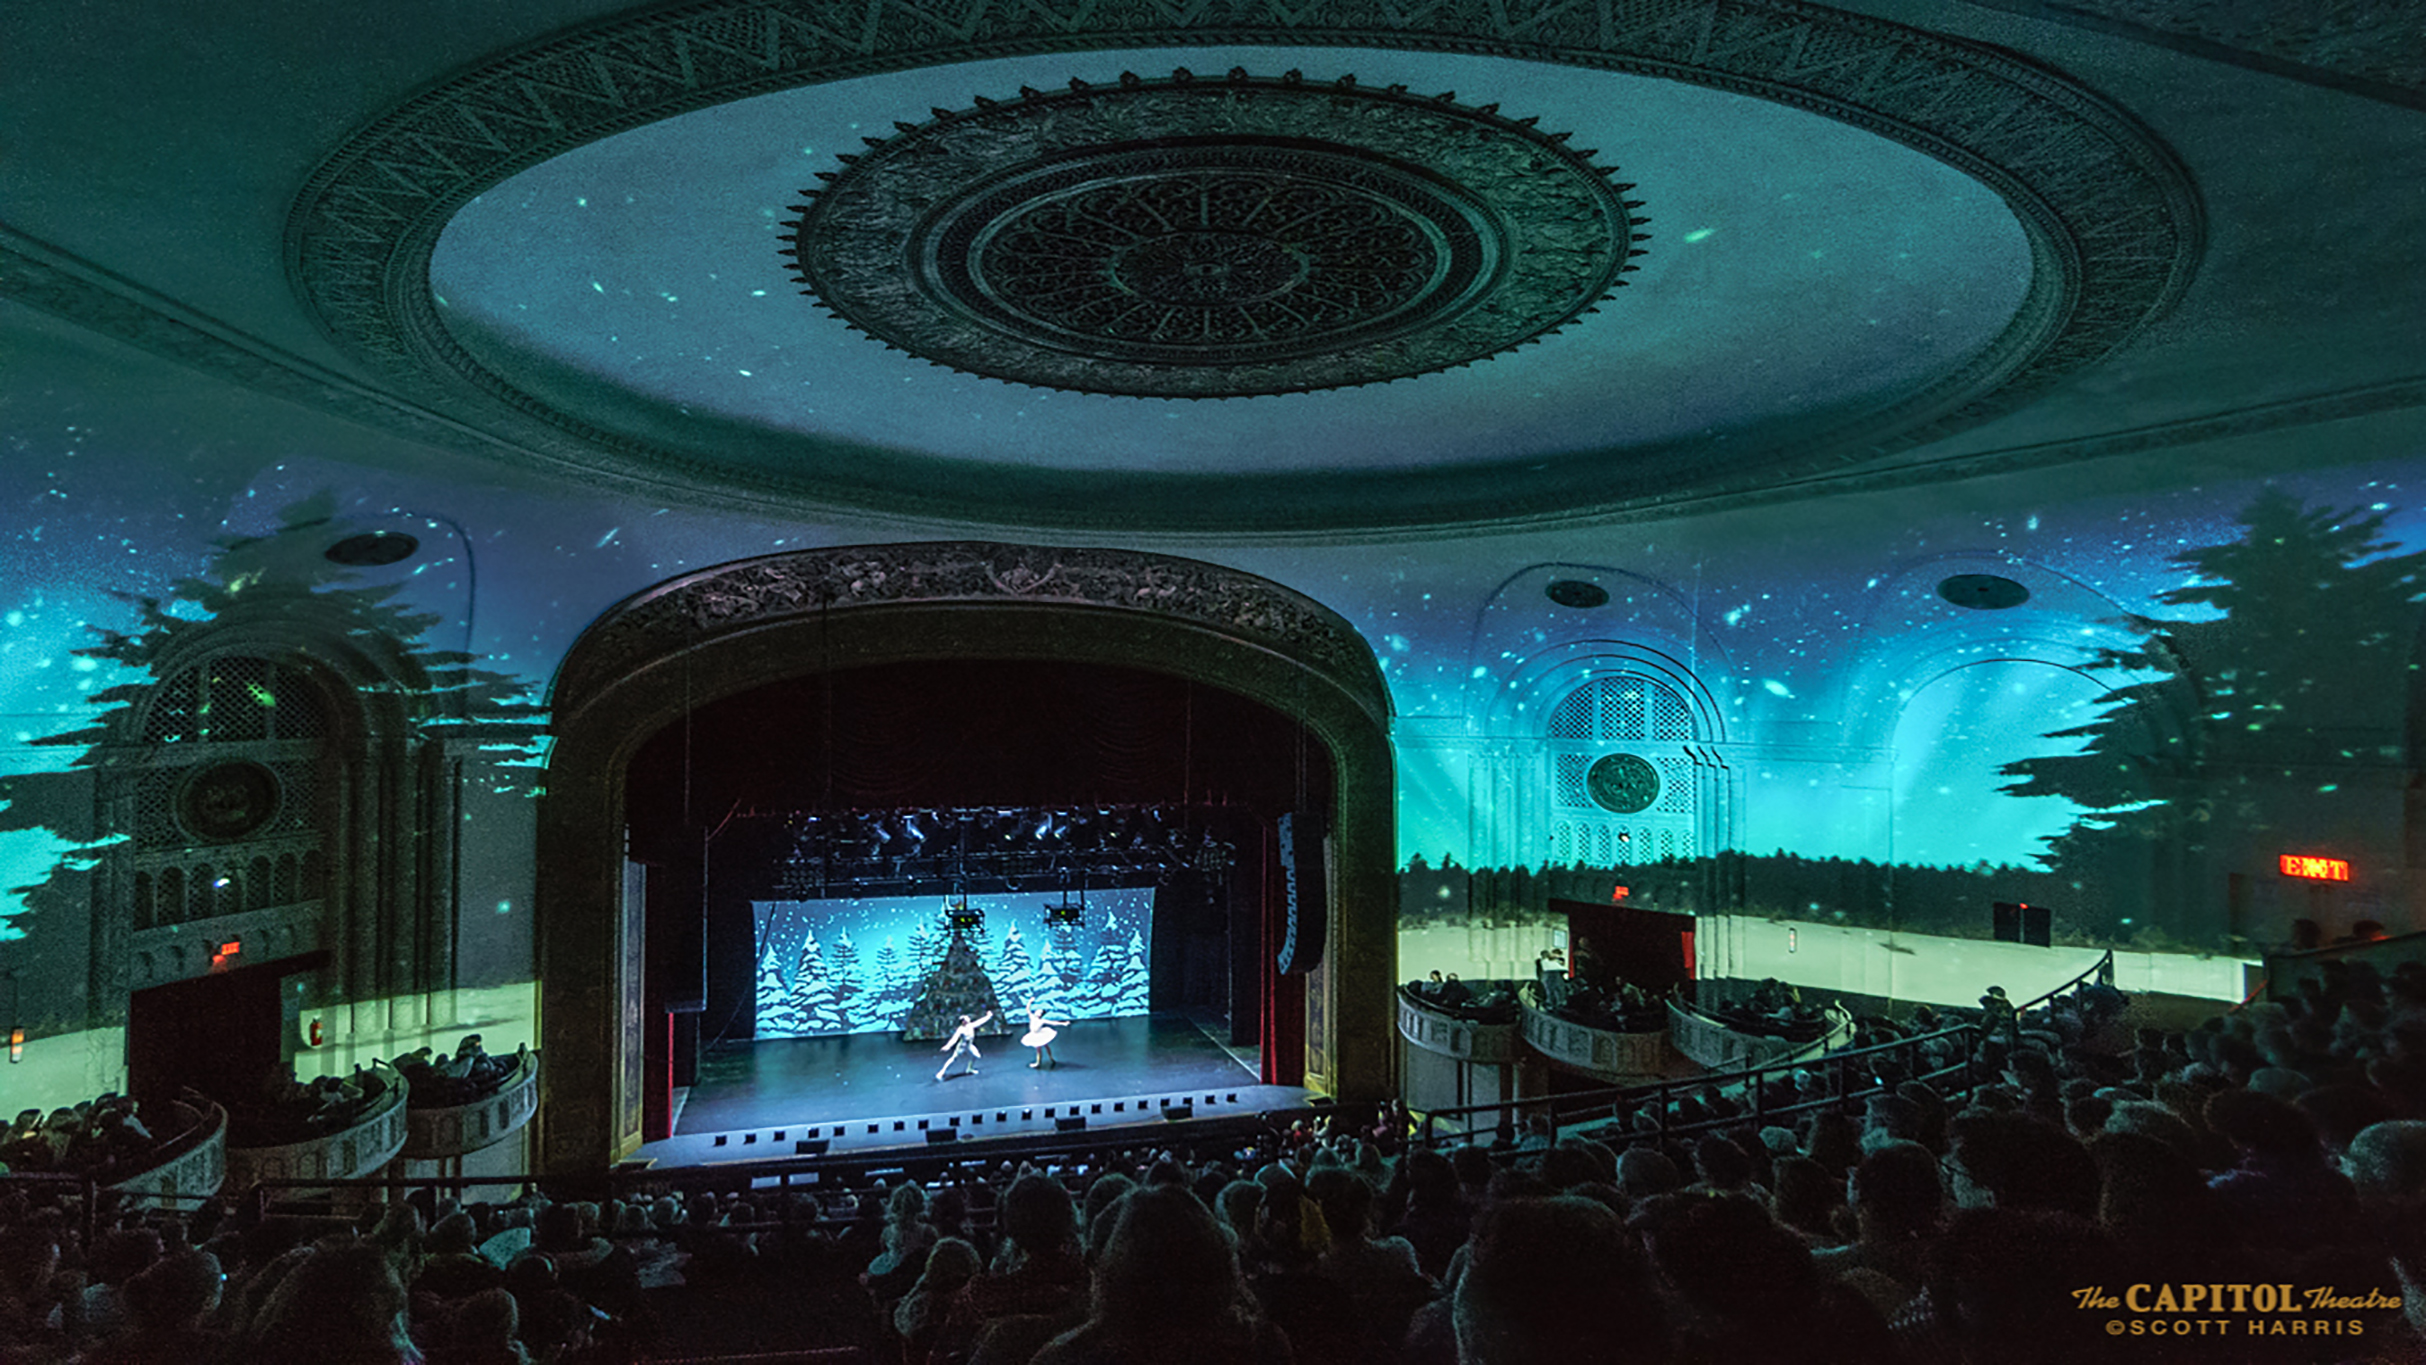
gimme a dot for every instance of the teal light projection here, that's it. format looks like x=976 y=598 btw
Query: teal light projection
x=2195 y=682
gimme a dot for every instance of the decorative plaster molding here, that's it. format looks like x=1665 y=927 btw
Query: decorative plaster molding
x=2115 y=226
x=1181 y=237
x=2375 y=48
x=738 y=597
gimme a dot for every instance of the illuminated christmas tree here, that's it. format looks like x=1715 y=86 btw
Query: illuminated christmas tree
x=958 y=986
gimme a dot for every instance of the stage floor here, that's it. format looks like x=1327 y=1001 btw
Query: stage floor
x=760 y=1100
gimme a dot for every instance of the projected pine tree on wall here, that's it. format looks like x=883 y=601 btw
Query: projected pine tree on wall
x=272 y=648
x=2211 y=746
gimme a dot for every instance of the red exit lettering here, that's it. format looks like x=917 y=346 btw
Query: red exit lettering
x=2314 y=868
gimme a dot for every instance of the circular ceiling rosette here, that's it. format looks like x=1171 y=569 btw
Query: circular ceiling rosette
x=1187 y=238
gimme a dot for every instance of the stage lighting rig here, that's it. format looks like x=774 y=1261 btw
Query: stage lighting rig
x=962 y=918
x=1068 y=912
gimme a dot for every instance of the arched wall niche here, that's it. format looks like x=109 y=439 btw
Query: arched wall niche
x=355 y=853
x=1515 y=765
x=721 y=631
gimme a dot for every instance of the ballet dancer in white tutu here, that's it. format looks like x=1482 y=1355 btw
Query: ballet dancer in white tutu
x=963 y=1044
x=1040 y=1035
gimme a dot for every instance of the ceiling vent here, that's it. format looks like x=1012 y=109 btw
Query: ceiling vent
x=1983 y=591
x=372 y=549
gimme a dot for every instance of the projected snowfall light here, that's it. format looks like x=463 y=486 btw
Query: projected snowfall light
x=856 y=966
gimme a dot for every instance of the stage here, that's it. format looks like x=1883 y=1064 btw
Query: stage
x=757 y=1101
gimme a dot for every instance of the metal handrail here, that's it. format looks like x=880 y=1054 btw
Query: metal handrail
x=1590 y=1105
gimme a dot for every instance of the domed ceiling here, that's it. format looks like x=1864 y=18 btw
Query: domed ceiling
x=1191 y=285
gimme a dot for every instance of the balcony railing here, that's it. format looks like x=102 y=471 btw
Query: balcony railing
x=1606 y=1053
x=192 y=1166
x=358 y=1150
x=1438 y=1028
x=1716 y=1044
x=438 y=1133
x=1944 y=1059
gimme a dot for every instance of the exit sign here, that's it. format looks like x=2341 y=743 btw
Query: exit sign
x=2314 y=868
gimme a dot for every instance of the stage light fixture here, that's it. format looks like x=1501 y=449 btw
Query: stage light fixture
x=961 y=917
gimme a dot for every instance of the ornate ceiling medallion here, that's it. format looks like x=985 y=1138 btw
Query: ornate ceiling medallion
x=1185 y=238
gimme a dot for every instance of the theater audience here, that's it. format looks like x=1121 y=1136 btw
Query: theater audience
x=166 y=1304
x=1168 y=1292
x=340 y=1304
x=1039 y=1275
x=920 y=1316
x=1530 y=1263
x=1904 y=1219
x=1379 y=1276
x=484 y=1330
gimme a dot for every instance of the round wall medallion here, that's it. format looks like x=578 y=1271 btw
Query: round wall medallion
x=227 y=801
x=1181 y=238
x=1623 y=783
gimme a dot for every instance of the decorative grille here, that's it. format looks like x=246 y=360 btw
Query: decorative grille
x=236 y=699
x=1621 y=713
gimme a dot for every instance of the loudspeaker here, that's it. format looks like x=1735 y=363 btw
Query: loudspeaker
x=940 y=1135
x=2005 y=922
x=2038 y=925
x=1302 y=881
x=1074 y=1123
x=1173 y=1113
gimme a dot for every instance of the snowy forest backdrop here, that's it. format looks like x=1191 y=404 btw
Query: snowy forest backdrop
x=856 y=966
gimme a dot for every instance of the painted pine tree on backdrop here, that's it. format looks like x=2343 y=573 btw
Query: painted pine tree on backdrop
x=778 y=1017
x=850 y=991
x=1063 y=974
x=1015 y=977
x=891 y=987
x=1129 y=995
x=813 y=991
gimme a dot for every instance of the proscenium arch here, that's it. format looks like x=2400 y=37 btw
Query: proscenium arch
x=722 y=631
